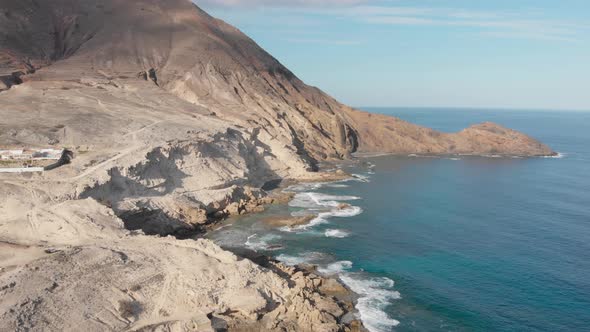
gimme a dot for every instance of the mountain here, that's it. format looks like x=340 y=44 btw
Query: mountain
x=176 y=120
x=209 y=63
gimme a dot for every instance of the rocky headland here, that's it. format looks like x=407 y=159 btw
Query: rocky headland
x=176 y=120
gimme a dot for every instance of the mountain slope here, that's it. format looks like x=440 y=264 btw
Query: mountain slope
x=210 y=63
x=184 y=51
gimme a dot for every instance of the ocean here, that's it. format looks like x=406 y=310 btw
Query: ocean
x=451 y=244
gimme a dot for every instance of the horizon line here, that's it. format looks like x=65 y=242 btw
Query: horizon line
x=491 y=108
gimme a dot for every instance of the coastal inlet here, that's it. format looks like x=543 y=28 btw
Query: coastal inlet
x=308 y=231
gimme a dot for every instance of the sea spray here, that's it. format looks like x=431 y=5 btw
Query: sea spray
x=361 y=178
x=335 y=268
x=258 y=243
x=316 y=200
x=559 y=155
x=336 y=185
x=375 y=295
x=324 y=206
x=337 y=233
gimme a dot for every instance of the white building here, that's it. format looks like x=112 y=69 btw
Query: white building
x=31 y=154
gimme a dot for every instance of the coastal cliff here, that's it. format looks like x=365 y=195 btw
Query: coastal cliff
x=176 y=120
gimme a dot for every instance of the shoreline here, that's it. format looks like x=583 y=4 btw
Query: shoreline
x=363 y=155
x=280 y=196
x=329 y=286
x=303 y=296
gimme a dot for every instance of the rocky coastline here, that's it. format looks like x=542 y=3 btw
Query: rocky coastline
x=36 y=278
x=338 y=299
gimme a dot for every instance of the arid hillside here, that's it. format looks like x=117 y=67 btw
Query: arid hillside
x=202 y=60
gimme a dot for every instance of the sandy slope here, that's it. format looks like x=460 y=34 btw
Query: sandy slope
x=75 y=267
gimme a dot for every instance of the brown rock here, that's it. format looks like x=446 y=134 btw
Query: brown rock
x=282 y=198
x=343 y=206
x=195 y=216
x=280 y=221
x=332 y=287
x=380 y=133
x=233 y=208
x=266 y=200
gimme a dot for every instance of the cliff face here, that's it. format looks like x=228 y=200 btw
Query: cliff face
x=180 y=49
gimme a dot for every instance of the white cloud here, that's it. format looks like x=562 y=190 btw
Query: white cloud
x=497 y=24
x=528 y=25
x=323 y=41
x=518 y=24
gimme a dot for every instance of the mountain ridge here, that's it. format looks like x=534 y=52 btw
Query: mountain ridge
x=210 y=63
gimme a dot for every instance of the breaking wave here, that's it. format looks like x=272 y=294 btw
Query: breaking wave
x=324 y=206
x=559 y=155
x=336 y=185
x=376 y=295
x=335 y=268
x=361 y=178
x=337 y=233
x=257 y=242
x=315 y=200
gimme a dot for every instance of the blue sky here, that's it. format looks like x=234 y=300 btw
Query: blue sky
x=444 y=53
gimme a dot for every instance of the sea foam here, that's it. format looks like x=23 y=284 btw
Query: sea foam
x=257 y=242
x=318 y=200
x=336 y=185
x=376 y=295
x=361 y=178
x=323 y=217
x=335 y=268
x=306 y=257
x=337 y=233
x=559 y=155
x=324 y=206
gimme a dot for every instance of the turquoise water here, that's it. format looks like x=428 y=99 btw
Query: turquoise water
x=441 y=244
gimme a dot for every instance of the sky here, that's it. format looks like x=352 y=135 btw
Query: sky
x=525 y=54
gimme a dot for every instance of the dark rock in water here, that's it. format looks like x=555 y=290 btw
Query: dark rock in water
x=274 y=247
x=272 y=184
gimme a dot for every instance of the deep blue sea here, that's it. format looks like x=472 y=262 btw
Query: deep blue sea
x=452 y=244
